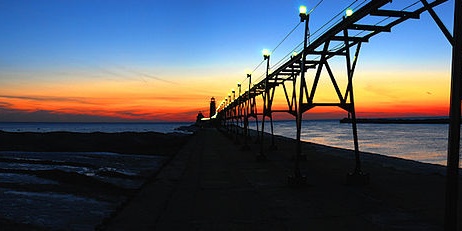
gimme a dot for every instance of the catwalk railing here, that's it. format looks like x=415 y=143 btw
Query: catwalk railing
x=343 y=40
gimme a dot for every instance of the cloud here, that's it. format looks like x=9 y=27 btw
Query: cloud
x=49 y=98
x=12 y=115
x=381 y=91
x=16 y=115
x=141 y=75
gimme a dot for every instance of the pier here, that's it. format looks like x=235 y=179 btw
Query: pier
x=299 y=75
x=213 y=185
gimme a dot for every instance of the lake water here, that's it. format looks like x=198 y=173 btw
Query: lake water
x=422 y=142
x=64 y=190
x=91 y=127
x=27 y=192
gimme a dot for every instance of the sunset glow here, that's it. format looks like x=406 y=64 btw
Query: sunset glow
x=87 y=61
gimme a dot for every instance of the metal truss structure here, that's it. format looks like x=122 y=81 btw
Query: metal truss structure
x=343 y=40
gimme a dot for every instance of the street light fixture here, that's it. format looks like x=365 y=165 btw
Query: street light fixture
x=266 y=56
x=250 y=79
x=266 y=53
x=303 y=14
x=349 y=12
x=294 y=54
x=239 y=87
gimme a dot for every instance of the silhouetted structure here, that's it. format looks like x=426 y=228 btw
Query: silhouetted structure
x=344 y=40
x=212 y=107
x=199 y=117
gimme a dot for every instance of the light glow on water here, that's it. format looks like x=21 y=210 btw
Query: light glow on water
x=421 y=142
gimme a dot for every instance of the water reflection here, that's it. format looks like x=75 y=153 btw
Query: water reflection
x=421 y=142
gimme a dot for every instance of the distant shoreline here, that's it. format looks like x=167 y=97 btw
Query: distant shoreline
x=398 y=121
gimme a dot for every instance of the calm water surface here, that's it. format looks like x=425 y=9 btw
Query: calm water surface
x=54 y=205
x=421 y=142
x=92 y=127
x=66 y=211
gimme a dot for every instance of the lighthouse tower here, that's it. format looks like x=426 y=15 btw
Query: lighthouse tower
x=212 y=107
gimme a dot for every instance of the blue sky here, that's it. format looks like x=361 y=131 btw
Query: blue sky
x=211 y=41
x=172 y=33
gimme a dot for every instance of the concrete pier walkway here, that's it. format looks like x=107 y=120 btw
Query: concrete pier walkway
x=213 y=185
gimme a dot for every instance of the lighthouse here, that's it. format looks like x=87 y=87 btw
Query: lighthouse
x=212 y=107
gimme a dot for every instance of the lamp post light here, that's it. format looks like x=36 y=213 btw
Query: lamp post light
x=239 y=89
x=348 y=12
x=303 y=14
x=294 y=54
x=266 y=53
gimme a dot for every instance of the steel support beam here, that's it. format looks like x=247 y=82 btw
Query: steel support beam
x=438 y=22
x=452 y=169
x=395 y=13
x=370 y=28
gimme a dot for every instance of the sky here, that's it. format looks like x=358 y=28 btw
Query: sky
x=117 y=60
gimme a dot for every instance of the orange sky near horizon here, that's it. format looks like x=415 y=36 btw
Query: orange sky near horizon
x=383 y=95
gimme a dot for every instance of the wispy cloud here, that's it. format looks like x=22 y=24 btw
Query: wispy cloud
x=13 y=115
x=150 y=76
x=48 y=98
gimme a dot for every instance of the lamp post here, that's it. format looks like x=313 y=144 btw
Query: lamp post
x=239 y=89
x=266 y=56
x=225 y=109
x=233 y=111
x=237 y=113
x=230 y=114
x=253 y=109
x=239 y=101
x=246 y=146
x=294 y=88
x=298 y=178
